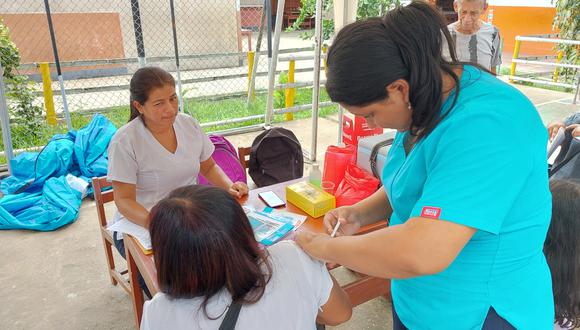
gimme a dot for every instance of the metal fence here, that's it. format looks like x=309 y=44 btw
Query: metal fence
x=207 y=45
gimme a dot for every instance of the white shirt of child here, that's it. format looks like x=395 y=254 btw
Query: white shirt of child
x=136 y=157
x=298 y=288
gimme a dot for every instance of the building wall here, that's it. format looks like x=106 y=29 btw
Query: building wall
x=523 y=20
x=98 y=36
x=86 y=27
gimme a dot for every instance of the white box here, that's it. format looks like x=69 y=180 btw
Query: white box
x=365 y=148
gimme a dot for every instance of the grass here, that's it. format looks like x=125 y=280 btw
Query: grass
x=202 y=109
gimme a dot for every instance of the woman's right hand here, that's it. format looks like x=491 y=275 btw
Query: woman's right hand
x=349 y=220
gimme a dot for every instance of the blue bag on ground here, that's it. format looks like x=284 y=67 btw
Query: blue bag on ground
x=90 y=148
x=31 y=170
x=57 y=205
x=46 y=189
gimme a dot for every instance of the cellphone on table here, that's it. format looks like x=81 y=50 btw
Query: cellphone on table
x=271 y=199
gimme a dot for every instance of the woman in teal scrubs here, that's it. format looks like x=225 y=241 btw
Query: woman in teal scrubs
x=465 y=184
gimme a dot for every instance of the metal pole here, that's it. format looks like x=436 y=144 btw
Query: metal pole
x=269 y=29
x=316 y=81
x=252 y=86
x=57 y=62
x=273 y=61
x=174 y=30
x=5 y=121
x=577 y=90
x=138 y=32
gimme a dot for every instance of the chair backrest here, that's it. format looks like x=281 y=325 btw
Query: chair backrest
x=290 y=6
x=102 y=197
x=244 y=155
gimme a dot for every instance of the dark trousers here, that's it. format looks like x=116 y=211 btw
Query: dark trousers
x=120 y=245
x=492 y=321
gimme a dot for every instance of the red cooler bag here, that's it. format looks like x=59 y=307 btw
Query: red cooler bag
x=357 y=185
x=336 y=160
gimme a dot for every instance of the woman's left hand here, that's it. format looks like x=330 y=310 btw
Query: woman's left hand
x=315 y=245
x=238 y=189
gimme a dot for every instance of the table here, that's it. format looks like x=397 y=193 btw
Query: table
x=362 y=290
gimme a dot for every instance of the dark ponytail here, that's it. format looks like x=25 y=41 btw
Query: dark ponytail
x=143 y=81
x=407 y=43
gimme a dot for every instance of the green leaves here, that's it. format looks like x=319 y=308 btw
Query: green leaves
x=366 y=9
x=8 y=52
x=567 y=21
x=19 y=90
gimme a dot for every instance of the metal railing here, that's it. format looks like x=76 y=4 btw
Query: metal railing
x=535 y=60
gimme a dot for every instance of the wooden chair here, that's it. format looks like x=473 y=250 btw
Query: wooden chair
x=102 y=197
x=244 y=155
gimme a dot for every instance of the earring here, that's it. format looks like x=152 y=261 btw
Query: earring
x=409 y=106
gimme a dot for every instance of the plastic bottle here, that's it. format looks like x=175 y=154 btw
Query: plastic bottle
x=315 y=177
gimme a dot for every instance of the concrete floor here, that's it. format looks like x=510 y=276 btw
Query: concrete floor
x=58 y=280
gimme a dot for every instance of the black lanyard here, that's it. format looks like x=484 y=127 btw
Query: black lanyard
x=229 y=321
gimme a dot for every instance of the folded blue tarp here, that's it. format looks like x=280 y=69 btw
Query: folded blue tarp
x=38 y=196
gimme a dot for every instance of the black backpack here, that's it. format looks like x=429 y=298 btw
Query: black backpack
x=567 y=163
x=276 y=157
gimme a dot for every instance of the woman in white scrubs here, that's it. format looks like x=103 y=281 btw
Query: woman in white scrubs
x=158 y=150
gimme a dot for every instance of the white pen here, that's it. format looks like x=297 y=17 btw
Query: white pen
x=335 y=229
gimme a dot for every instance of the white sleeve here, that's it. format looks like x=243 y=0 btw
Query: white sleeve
x=122 y=165
x=316 y=274
x=144 y=317
x=207 y=146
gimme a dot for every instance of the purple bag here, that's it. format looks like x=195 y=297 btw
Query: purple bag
x=226 y=157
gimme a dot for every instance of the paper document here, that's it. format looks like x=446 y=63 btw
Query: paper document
x=267 y=229
x=127 y=227
x=296 y=219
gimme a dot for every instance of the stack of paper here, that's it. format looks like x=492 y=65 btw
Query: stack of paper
x=140 y=233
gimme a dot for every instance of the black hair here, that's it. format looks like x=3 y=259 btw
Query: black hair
x=407 y=43
x=203 y=243
x=562 y=250
x=143 y=81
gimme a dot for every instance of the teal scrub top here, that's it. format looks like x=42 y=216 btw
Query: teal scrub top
x=484 y=166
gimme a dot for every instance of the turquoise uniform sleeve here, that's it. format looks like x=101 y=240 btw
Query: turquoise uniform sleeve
x=475 y=172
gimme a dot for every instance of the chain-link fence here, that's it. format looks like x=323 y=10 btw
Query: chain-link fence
x=100 y=44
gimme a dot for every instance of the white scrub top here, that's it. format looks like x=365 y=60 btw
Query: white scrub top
x=136 y=157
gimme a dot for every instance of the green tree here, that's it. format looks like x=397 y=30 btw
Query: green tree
x=366 y=8
x=19 y=90
x=567 y=21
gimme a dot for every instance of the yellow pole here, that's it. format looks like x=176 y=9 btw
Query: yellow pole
x=250 y=70
x=290 y=92
x=47 y=87
x=324 y=51
x=516 y=54
x=557 y=69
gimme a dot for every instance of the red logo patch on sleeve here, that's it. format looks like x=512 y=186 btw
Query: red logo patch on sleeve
x=431 y=212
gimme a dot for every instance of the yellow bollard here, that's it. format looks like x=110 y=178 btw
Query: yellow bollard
x=516 y=54
x=289 y=93
x=324 y=51
x=250 y=70
x=557 y=69
x=47 y=87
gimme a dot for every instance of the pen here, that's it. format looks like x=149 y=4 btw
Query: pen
x=335 y=229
